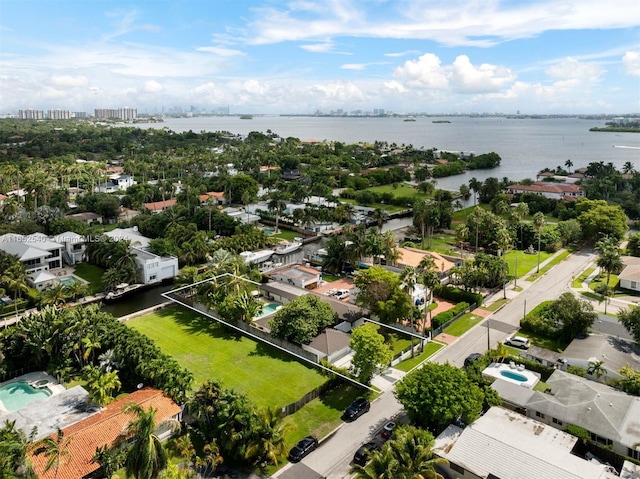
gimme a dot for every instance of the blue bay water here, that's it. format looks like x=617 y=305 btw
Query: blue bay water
x=526 y=146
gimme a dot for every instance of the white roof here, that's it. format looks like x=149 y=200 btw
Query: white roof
x=41 y=277
x=129 y=234
x=511 y=446
x=68 y=237
x=20 y=246
x=42 y=241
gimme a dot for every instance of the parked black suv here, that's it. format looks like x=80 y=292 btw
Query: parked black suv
x=356 y=409
x=471 y=358
x=362 y=454
x=304 y=447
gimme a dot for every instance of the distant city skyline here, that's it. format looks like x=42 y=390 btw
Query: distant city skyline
x=302 y=56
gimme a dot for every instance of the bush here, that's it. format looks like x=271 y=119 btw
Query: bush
x=533 y=365
x=577 y=370
x=446 y=316
x=457 y=295
x=579 y=432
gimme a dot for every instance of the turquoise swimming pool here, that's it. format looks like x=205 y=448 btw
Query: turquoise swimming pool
x=18 y=394
x=267 y=309
x=67 y=281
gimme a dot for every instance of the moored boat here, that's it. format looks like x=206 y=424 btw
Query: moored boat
x=122 y=290
x=257 y=256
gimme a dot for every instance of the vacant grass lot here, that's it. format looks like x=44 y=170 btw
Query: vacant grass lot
x=399 y=190
x=211 y=351
x=526 y=262
x=558 y=258
x=388 y=208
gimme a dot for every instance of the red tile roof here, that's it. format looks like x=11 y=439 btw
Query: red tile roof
x=99 y=429
x=161 y=205
x=560 y=189
x=212 y=194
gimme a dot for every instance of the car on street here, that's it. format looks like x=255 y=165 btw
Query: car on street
x=517 y=342
x=356 y=409
x=361 y=456
x=387 y=429
x=304 y=447
x=471 y=358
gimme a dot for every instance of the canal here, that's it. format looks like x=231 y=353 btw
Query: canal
x=138 y=301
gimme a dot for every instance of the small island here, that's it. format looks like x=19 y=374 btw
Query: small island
x=409 y=119
x=440 y=121
x=246 y=117
x=623 y=125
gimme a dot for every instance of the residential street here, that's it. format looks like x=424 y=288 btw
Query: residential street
x=332 y=459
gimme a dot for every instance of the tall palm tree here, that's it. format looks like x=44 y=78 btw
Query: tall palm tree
x=475 y=186
x=609 y=256
x=597 y=369
x=247 y=307
x=538 y=223
x=14 y=280
x=55 y=450
x=14 y=445
x=146 y=457
x=211 y=458
x=101 y=385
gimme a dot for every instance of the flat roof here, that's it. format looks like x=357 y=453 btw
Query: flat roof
x=508 y=445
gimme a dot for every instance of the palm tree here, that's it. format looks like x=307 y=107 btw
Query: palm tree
x=475 y=186
x=538 y=223
x=568 y=164
x=109 y=361
x=247 y=307
x=101 y=385
x=211 y=458
x=628 y=168
x=146 y=457
x=54 y=449
x=609 y=256
x=13 y=452
x=55 y=296
x=380 y=466
x=270 y=441
x=597 y=369
x=14 y=279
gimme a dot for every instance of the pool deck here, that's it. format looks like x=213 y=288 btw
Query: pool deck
x=53 y=386
x=494 y=370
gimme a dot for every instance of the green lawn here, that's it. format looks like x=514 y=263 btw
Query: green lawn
x=328 y=277
x=211 y=351
x=577 y=283
x=602 y=279
x=557 y=259
x=91 y=273
x=541 y=386
x=388 y=208
x=526 y=262
x=429 y=349
x=400 y=190
x=463 y=324
x=285 y=234
x=496 y=305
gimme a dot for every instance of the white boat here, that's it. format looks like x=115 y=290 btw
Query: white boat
x=289 y=247
x=123 y=289
x=257 y=256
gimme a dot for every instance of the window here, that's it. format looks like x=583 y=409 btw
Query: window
x=152 y=277
x=634 y=453
x=556 y=421
x=634 y=285
x=539 y=414
x=601 y=440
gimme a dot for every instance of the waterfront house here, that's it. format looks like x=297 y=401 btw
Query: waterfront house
x=152 y=268
x=298 y=275
x=554 y=191
x=74 y=247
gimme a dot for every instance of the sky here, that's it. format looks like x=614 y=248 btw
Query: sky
x=300 y=56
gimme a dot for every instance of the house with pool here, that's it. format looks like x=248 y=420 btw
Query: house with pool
x=611 y=417
x=41 y=256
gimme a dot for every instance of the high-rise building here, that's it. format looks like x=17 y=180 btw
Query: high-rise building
x=31 y=114
x=79 y=114
x=125 y=113
x=58 y=114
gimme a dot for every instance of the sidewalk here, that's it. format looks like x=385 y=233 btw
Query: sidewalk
x=614 y=305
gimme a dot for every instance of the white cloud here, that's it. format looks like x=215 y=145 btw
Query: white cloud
x=572 y=68
x=631 y=61
x=339 y=91
x=401 y=54
x=69 y=80
x=221 y=51
x=425 y=72
x=393 y=87
x=318 y=47
x=467 y=78
x=354 y=66
x=152 y=86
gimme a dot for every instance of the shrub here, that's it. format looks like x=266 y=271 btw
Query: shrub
x=577 y=370
x=457 y=295
x=579 y=432
x=533 y=365
x=446 y=316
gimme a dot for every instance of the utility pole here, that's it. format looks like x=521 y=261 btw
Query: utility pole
x=515 y=274
x=525 y=309
x=488 y=333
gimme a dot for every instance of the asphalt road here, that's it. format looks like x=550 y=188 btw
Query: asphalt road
x=333 y=458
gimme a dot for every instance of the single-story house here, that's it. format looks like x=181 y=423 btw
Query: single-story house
x=158 y=206
x=87 y=217
x=298 y=275
x=413 y=256
x=105 y=428
x=614 y=353
x=332 y=344
x=630 y=275
x=555 y=191
x=611 y=417
x=214 y=198
x=507 y=445
x=543 y=356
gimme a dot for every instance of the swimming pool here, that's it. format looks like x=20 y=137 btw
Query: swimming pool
x=267 y=309
x=18 y=394
x=512 y=373
x=68 y=281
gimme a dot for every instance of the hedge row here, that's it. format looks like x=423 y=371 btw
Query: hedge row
x=533 y=365
x=457 y=295
x=446 y=316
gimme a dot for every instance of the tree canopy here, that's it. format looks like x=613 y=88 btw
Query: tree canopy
x=437 y=394
x=302 y=319
x=630 y=319
x=370 y=350
x=382 y=294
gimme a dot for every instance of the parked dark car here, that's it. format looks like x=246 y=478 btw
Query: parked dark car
x=361 y=456
x=387 y=429
x=304 y=447
x=471 y=358
x=356 y=409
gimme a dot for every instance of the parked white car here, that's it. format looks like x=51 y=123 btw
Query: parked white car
x=518 y=342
